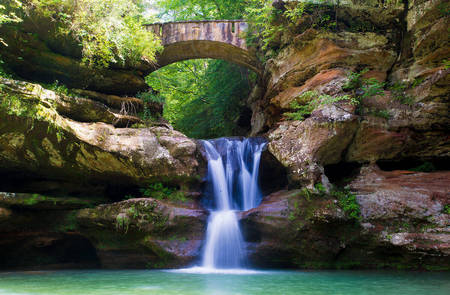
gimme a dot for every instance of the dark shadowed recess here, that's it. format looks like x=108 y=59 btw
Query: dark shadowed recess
x=416 y=164
x=342 y=173
x=46 y=250
x=27 y=182
x=272 y=174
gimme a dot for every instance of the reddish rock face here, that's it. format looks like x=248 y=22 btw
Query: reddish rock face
x=407 y=123
x=403 y=225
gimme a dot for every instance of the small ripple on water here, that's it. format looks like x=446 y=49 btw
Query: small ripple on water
x=208 y=270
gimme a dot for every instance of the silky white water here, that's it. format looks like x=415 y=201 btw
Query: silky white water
x=233 y=166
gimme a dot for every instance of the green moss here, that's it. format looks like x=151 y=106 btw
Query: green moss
x=177 y=238
x=382 y=114
x=34 y=199
x=122 y=223
x=160 y=191
x=30 y=107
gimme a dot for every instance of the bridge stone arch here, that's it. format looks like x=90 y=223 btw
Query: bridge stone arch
x=218 y=39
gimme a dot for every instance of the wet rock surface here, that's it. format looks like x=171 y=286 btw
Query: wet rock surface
x=136 y=233
x=403 y=225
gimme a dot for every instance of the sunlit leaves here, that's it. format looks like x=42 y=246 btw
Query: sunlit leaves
x=7 y=15
x=173 y=10
x=203 y=97
x=109 y=31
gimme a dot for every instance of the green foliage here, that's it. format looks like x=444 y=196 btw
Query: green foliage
x=59 y=88
x=8 y=14
x=354 y=80
x=398 y=91
x=260 y=16
x=204 y=98
x=148 y=98
x=108 y=31
x=382 y=114
x=358 y=87
x=320 y=188
x=417 y=82
x=176 y=10
x=35 y=198
x=3 y=72
x=371 y=87
x=447 y=209
x=267 y=22
x=304 y=104
x=446 y=63
x=159 y=191
x=361 y=87
x=347 y=202
x=425 y=167
x=122 y=223
x=444 y=9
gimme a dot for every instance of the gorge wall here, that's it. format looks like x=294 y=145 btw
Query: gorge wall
x=82 y=189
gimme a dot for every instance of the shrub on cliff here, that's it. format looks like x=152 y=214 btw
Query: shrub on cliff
x=108 y=31
x=9 y=16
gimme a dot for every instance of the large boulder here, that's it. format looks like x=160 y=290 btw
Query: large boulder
x=144 y=233
x=305 y=147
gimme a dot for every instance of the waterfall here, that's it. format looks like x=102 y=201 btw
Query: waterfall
x=233 y=166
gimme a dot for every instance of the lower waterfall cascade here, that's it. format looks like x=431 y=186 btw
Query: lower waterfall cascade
x=233 y=168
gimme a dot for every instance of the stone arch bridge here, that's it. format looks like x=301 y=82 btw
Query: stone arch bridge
x=218 y=39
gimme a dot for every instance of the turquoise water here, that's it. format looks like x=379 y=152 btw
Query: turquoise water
x=271 y=282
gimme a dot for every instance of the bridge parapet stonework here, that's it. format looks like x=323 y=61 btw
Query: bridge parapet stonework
x=220 y=39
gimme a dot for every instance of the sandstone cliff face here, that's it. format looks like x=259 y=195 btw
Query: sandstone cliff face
x=406 y=51
x=403 y=225
x=404 y=221
x=65 y=146
x=70 y=155
x=47 y=137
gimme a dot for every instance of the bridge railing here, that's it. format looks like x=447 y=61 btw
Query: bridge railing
x=227 y=31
